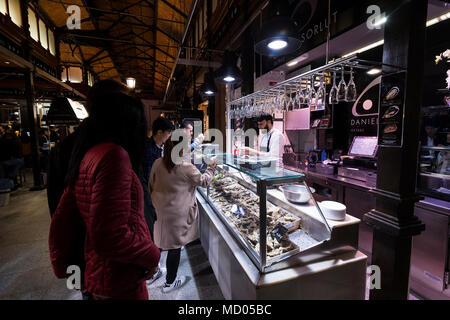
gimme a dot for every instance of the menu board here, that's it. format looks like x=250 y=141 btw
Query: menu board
x=392 y=103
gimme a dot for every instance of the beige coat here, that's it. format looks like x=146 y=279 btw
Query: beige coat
x=173 y=196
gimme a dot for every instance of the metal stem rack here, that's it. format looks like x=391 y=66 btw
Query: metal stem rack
x=293 y=84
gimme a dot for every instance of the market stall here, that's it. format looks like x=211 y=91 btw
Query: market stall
x=261 y=246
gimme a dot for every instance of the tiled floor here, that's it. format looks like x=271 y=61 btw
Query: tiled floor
x=25 y=270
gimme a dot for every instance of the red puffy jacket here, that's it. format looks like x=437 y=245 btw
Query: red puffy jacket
x=118 y=249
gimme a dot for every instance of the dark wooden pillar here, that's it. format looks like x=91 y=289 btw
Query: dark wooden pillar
x=31 y=118
x=393 y=218
x=212 y=112
x=33 y=126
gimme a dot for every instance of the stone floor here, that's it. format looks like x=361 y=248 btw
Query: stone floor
x=26 y=273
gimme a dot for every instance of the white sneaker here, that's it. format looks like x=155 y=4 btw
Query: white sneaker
x=177 y=284
x=160 y=273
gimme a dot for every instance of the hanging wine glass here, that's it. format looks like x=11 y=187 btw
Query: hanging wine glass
x=266 y=106
x=298 y=100
x=290 y=102
x=300 y=95
x=282 y=101
x=306 y=90
x=260 y=106
x=350 y=93
x=342 y=87
x=312 y=94
x=333 y=99
x=321 y=93
x=253 y=107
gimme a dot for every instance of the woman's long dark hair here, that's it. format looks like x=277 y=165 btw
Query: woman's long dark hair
x=168 y=147
x=116 y=118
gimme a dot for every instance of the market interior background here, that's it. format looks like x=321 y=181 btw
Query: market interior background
x=170 y=53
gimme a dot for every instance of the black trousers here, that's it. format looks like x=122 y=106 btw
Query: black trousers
x=172 y=263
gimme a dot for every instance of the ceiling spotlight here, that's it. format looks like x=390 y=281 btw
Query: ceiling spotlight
x=229 y=79
x=374 y=71
x=277 y=44
x=208 y=88
x=293 y=63
x=131 y=83
x=228 y=73
x=278 y=36
x=7 y=62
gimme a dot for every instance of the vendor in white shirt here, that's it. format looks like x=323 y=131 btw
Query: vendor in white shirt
x=271 y=142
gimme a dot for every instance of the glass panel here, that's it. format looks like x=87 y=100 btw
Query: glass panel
x=33 y=24
x=51 y=42
x=259 y=168
x=43 y=34
x=64 y=74
x=75 y=75
x=3 y=6
x=14 y=12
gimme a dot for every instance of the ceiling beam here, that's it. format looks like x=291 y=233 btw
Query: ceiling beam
x=156 y=47
x=106 y=70
x=167 y=35
x=171 y=6
x=200 y=63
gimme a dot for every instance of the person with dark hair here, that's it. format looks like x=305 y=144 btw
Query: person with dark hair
x=172 y=186
x=101 y=89
x=161 y=131
x=188 y=126
x=105 y=193
x=60 y=155
x=54 y=136
x=271 y=142
x=11 y=158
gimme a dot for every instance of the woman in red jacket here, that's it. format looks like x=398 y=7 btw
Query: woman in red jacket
x=104 y=194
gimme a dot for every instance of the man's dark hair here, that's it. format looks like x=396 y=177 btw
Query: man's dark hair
x=162 y=124
x=187 y=123
x=103 y=88
x=266 y=117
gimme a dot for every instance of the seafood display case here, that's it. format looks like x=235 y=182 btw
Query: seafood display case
x=268 y=231
x=434 y=175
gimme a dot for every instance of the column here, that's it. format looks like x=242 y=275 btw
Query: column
x=393 y=218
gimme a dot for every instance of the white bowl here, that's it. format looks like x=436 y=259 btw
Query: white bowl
x=333 y=210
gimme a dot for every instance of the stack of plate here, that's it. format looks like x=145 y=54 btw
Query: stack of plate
x=333 y=210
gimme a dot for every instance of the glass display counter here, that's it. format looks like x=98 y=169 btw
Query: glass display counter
x=268 y=232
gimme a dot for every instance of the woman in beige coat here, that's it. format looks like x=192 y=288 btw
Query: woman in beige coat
x=172 y=190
